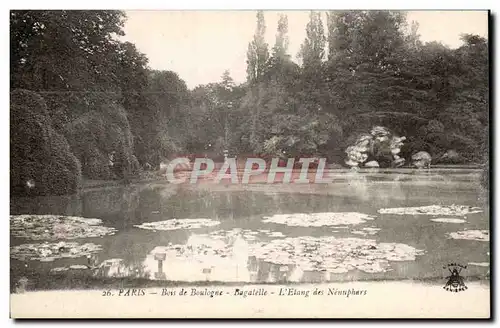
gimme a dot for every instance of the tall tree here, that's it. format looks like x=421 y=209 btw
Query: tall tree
x=166 y=119
x=312 y=53
x=312 y=50
x=258 y=52
x=258 y=55
x=281 y=45
x=72 y=59
x=63 y=50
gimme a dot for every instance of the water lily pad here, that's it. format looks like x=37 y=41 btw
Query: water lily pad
x=276 y=234
x=78 y=267
x=246 y=234
x=56 y=227
x=450 y=220
x=481 y=235
x=481 y=264
x=371 y=230
x=59 y=269
x=366 y=231
x=48 y=252
x=68 y=268
x=335 y=255
x=175 y=224
x=359 y=232
x=231 y=235
x=318 y=219
x=452 y=210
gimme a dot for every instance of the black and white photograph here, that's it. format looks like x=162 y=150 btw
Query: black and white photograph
x=250 y=164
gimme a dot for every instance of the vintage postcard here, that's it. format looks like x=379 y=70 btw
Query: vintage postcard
x=249 y=164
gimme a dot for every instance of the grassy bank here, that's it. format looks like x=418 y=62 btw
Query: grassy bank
x=83 y=279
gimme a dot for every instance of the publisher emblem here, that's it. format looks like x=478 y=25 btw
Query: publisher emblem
x=455 y=282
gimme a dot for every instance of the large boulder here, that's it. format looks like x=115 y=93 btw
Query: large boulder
x=372 y=164
x=421 y=159
x=380 y=146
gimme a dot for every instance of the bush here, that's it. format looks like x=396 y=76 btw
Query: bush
x=95 y=135
x=39 y=155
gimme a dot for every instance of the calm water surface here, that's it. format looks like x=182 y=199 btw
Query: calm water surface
x=244 y=207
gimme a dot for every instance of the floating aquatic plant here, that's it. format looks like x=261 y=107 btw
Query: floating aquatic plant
x=71 y=267
x=481 y=264
x=203 y=255
x=56 y=227
x=452 y=210
x=48 y=252
x=318 y=219
x=450 y=220
x=175 y=224
x=276 y=234
x=335 y=255
x=246 y=234
x=481 y=235
x=116 y=268
x=366 y=231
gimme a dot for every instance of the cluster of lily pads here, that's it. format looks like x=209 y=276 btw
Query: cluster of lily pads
x=448 y=220
x=47 y=252
x=115 y=267
x=366 y=231
x=229 y=249
x=480 y=235
x=318 y=219
x=246 y=234
x=69 y=268
x=453 y=210
x=335 y=255
x=54 y=228
x=331 y=254
x=175 y=224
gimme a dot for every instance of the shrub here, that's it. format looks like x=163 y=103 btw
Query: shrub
x=98 y=133
x=39 y=154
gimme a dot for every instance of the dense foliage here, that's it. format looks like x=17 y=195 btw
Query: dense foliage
x=41 y=160
x=86 y=104
x=368 y=68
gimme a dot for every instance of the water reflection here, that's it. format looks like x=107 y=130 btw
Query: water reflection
x=231 y=258
x=202 y=259
x=134 y=252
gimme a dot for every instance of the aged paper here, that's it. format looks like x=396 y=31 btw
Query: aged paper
x=249 y=164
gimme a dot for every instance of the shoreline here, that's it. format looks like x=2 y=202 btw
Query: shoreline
x=74 y=281
x=88 y=184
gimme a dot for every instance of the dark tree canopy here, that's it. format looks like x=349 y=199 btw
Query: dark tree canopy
x=95 y=110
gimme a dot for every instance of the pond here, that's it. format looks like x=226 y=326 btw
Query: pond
x=371 y=225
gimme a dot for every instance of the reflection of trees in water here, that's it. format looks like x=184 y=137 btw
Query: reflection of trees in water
x=129 y=203
x=278 y=273
x=217 y=204
x=116 y=204
x=128 y=206
x=64 y=205
x=119 y=268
